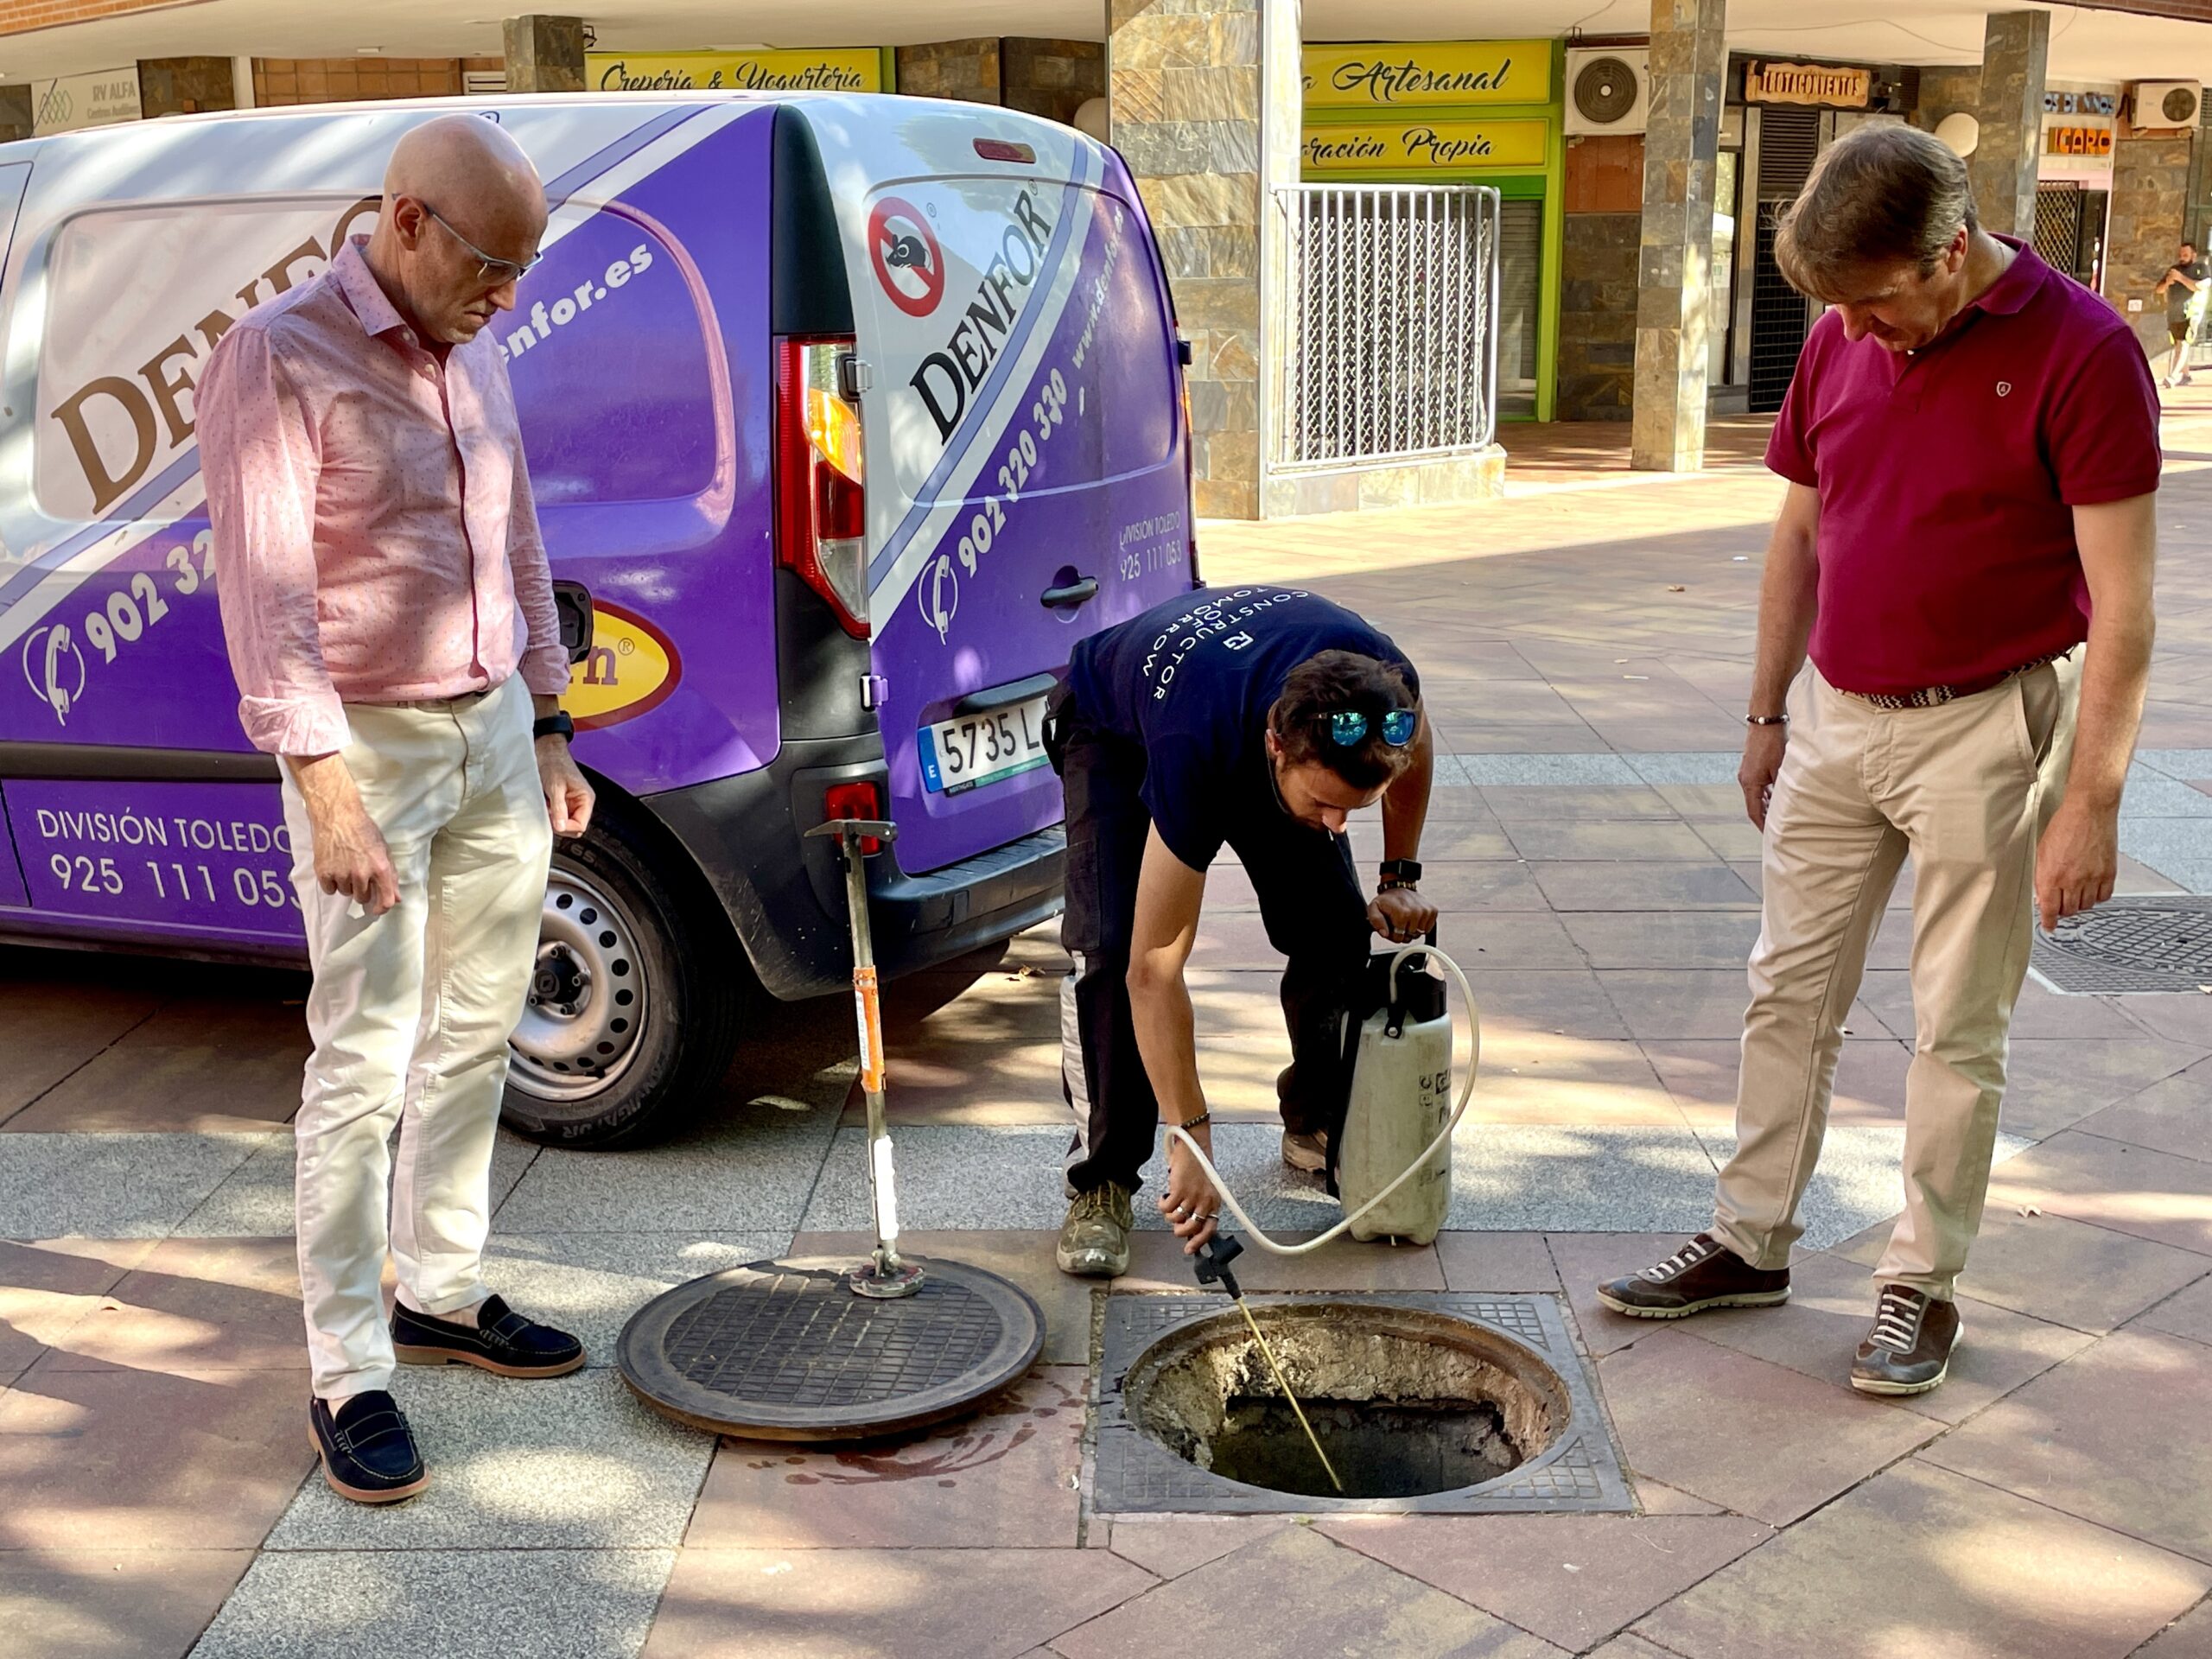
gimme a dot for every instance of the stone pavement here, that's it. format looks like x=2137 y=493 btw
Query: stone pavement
x=1583 y=644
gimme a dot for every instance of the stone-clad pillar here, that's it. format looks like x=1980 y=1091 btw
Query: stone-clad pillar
x=2015 y=46
x=1689 y=61
x=545 y=54
x=1206 y=100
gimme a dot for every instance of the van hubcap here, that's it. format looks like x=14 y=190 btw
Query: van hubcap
x=588 y=993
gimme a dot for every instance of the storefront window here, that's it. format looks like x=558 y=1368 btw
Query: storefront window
x=1721 y=306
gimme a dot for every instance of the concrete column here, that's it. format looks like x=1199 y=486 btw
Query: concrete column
x=2150 y=216
x=242 y=84
x=1689 y=62
x=16 y=111
x=186 y=86
x=1206 y=99
x=545 y=54
x=2015 y=45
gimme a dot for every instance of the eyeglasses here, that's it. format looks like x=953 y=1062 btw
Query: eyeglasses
x=1347 y=727
x=496 y=272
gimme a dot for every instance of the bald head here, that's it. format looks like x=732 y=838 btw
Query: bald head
x=463 y=213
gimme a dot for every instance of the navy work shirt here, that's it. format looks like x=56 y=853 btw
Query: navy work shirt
x=1191 y=680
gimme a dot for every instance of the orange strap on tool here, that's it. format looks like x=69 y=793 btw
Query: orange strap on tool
x=870 y=1007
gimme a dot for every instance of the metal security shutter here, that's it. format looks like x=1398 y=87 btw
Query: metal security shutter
x=1789 y=141
x=2059 y=226
x=1520 y=262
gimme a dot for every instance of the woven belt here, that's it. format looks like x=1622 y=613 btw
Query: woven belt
x=442 y=705
x=1932 y=697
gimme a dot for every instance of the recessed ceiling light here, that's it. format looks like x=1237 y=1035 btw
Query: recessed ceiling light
x=369 y=51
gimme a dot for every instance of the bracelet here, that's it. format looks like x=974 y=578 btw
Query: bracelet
x=1766 y=719
x=1203 y=1117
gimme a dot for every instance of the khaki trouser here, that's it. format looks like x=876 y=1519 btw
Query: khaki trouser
x=410 y=1014
x=1966 y=787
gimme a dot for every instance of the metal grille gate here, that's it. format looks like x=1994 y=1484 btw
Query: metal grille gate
x=1391 y=300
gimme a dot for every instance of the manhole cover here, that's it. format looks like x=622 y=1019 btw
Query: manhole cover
x=1426 y=1403
x=2162 y=943
x=784 y=1351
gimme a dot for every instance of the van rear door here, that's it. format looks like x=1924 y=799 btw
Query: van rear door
x=1023 y=438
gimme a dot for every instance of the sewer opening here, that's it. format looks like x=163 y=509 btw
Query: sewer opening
x=1405 y=1402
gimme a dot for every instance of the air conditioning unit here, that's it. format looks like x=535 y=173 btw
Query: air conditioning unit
x=2167 y=104
x=1608 y=89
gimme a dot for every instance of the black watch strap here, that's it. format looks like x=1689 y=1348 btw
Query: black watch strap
x=556 y=724
x=1401 y=869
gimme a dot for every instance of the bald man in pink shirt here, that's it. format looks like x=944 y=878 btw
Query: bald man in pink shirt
x=391 y=624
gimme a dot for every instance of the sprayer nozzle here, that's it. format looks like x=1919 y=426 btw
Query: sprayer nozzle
x=1212 y=1263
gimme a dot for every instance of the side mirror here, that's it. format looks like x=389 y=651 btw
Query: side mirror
x=573 y=601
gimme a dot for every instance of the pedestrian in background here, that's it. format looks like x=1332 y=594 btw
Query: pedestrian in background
x=2181 y=286
x=390 y=617
x=1972 y=444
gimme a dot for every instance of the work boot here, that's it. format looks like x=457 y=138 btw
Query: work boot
x=1307 y=1152
x=1095 y=1238
x=1909 y=1349
x=1704 y=1273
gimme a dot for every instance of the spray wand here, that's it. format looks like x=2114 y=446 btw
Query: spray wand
x=1212 y=1267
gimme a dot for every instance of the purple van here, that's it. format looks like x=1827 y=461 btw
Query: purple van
x=846 y=416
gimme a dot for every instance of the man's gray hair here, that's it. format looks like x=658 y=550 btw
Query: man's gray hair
x=1882 y=196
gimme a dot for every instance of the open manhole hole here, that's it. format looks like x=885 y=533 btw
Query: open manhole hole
x=2134 y=944
x=1437 y=1404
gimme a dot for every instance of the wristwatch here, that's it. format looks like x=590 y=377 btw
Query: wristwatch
x=1400 y=873
x=556 y=724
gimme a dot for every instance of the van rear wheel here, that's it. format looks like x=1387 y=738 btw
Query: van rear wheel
x=634 y=1009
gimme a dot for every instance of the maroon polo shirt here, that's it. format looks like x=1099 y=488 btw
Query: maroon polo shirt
x=1949 y=477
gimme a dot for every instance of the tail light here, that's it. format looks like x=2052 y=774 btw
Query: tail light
x=821 y=497
x=1190 y=443
x=861 y=800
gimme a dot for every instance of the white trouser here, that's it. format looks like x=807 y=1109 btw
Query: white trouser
x=411 y=1015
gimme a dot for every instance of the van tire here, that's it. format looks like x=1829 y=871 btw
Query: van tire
x=649 y=943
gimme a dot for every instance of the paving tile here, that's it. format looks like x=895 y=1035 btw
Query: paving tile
x=1709 y=1003
x=590 y=1284
x=882 y=1604
x=1563 y=1002
x=105 y=1604
x=567 y=1463
x=1508 y=1263
x=1533 y=771
x=2169 y=1116
x=47 y=1289
x=1524 y=939
x=1573 y=1580
x=1656 y=1497
x=1293 y=1594
x=2186 y=1313
x=1735 y=839
x=372 y=1604
x=2184 y=1018
x=205 y=1064
x=1719 y=939
x=1701 y=1073
x=255 y=1200
x=1157 y=1263
x=1586 y=1259
x=1529 y=1076
x=1524 y=804
x=2049 y=1267
x=1832 y=1304
x=1628 y=1645
x=1916 y=1561
x=1168 y=1546
x=1006 y=1477
x=2114 y=1435
x=142 y=1460
x=1517 y=1178
x=1442 y=841
x=1627 y=840
x=110 y=1185
x=1482 y=885
x=2149 y=1194
x=1706 y=885
x=1757 y=1437
x=2052 y=1083
x=2039 y=1014
x=2189 y=1637
x=1859 y=1182
x=1717 y=802
x=196 y=1305
x=750 y=1172
x=36 y=1065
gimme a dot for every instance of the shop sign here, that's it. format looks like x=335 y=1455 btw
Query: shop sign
x=1830 y=85
x=1426 y=147
x=2078 y=149
x=1418 y=75
x=2077 y=141
x=2105 y=103
x=77 y=101
x=855 y=69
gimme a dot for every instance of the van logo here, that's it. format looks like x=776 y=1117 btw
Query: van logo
x=908 y=262
x=631 y=669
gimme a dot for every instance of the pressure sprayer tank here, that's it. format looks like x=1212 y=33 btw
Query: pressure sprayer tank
x=1401 y=1095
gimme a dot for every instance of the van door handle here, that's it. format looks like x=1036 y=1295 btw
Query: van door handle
x=1081 y=591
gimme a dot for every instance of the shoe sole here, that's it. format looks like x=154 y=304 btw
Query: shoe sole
x=1113 y=1269
x=407 y=1356
x=1891 y=1390
x=1306 y=1163
x=362 y=1494
x=1746 y=1298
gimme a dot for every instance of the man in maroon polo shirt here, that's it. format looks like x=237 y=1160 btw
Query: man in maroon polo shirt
x=1966 y=553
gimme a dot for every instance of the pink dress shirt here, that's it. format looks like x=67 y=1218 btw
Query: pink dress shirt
x=375 y=538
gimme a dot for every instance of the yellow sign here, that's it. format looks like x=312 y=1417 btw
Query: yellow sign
x=630 y=669
x=1422 y=74
x=2077 y=141
x=1830 y=85
x=858 y=69
x=1427 y=146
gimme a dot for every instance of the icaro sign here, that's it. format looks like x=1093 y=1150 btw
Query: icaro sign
x=857 y=69
x=1420 y=74
x=1427 y=146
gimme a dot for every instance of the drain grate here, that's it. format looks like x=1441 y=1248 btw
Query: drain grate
x=1579 y=1471
x=2131 y=945
x=784 y=1351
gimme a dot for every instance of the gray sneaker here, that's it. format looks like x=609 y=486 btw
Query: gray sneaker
x=1095 y=1238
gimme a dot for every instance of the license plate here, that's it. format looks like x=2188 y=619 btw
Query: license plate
x=969 y=751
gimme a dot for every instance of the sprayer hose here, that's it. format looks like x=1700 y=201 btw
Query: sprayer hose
x=1443 y=1136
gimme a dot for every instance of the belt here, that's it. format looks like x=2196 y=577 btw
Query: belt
x=1931 y=697
x=442 y=705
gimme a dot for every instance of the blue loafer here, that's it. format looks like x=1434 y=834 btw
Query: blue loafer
x=502 y=1341
x=367 y=1450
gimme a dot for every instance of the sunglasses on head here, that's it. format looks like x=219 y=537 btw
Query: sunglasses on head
x=1347 y=727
